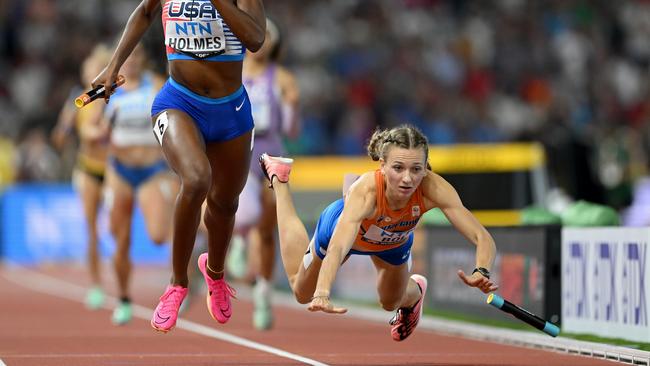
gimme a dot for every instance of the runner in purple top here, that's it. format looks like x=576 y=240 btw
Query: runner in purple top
x=274 y=96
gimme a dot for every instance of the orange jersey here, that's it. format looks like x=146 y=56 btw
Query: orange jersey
x=389 y=229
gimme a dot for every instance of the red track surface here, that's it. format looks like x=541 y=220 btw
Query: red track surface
x=42 y=329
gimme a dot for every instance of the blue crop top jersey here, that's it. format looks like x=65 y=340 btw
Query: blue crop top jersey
x=194 y=30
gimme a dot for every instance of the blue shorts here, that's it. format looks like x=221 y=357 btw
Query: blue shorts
x=219 y=119
x=325 y=228
x=136 y=175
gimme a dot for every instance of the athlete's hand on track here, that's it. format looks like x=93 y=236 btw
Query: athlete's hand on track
x=322 y=303
x=107 y=77
x=479 y=281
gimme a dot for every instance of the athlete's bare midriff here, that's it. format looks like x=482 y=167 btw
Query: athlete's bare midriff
x=208 y=78
x=137 y=155
x=94 y=150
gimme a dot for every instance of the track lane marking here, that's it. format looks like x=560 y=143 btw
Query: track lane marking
x=59 y=288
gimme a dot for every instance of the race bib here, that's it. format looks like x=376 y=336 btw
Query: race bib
x=200 y=38
x=160 y=127
x=379 y=236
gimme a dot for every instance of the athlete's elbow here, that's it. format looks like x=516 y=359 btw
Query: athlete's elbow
x=485 y=239
x=255 y=41
x=142 y=12
x=140 y=18
x=254 y=46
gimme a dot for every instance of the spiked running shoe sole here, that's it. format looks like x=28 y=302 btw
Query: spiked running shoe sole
x=275 y=166
x=406 y=319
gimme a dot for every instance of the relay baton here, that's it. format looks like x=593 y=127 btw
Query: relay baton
x=523 y=315
x=96 y=93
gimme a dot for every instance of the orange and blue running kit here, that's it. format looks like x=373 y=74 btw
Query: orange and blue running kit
x=387 y=235
x=194 y=30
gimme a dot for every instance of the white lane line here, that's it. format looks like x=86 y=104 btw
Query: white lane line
x=56 y=287
x=229 y=356
x=2 y=363
x=519 y=338
x=212 y=356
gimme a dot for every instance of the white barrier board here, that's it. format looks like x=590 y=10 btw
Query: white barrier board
x=606 y=282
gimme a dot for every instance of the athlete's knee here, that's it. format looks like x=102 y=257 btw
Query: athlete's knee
x=225 y=206
x=159 y=238
x=195 y=186
x=389 y=304
x=196 y=182
x=121 y=254
x=302 y=296
x=119 y=230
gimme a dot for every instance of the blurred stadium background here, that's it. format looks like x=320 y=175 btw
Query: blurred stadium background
x=572 y=75
x=537 y=111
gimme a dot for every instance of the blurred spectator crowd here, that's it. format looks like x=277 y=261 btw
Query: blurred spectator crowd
x=573 y=75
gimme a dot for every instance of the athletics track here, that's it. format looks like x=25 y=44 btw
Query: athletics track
x=45 y=323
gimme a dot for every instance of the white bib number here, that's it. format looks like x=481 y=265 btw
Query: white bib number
x=377 y=235
x=160 y=126
x=200 y=38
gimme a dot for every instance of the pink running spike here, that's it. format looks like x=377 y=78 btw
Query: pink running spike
x=219 y=293
x=406 y=319
x=275 y=166
x=166 y=313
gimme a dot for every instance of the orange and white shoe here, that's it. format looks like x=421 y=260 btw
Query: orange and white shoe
x=406 y=319
x=275 y=166
x=219 y=293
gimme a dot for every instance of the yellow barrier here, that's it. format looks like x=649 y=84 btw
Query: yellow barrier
x=498 y=217
x=7 y=157
x=486 y=158
x=326 y=173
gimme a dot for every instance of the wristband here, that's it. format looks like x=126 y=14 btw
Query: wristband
x=318 y=294
x=483 y=271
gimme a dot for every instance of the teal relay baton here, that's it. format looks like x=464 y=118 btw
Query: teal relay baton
x=523 y=315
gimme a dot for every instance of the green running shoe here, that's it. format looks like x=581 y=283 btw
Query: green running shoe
x=122 y=313
x=95 y=298
x=262 y=313
x=236 y=263
x=263 y=318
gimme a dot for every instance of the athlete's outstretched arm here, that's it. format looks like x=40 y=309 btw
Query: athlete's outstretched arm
x=138 y=23
x=358 y=205
x=246 y=20
x=64 y=125
x=438 y=191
